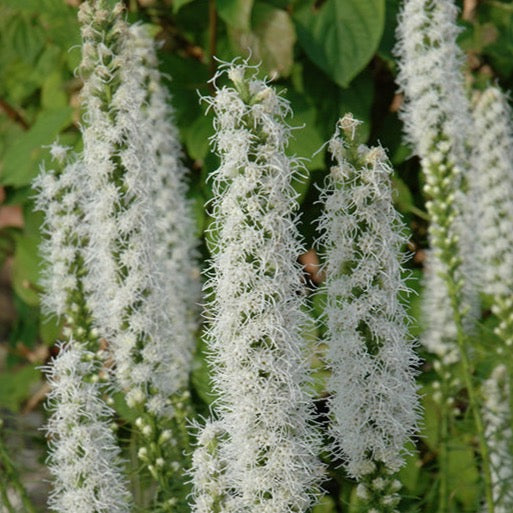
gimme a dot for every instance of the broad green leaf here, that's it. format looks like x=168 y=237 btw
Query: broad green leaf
x=53 y=95
x=388 y=40
x=463 y=475
x=26 y=265
x=236 y=13
x=197 y=137
x=270 y=41
x=357 y=99
x=21 y=160
x=342 y=35
x=15 y=386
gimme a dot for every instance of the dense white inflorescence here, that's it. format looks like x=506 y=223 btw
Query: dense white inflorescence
x=493 y=171
x=436 y=113
x=257 y=352
x=498 y=432
x=59 y=197
x=373 y=402
x=125 y=162
x=84 y=457
x=175 y=241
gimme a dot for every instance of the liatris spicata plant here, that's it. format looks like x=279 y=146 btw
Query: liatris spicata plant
x=84 y=456
x=436 y=113
x=131 y=244
x=373 y=403
x=267 y=447
x=493 y=164
x=497 y=418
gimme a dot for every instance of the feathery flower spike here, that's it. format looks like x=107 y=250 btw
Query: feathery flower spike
x=497 y=418
x=436 y=114
x=84 y=456
x=373 y=403
x=268 y=445
x=437 y=118
x=148 y=330
x=493 y=171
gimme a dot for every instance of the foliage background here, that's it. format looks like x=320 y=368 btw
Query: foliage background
x=329 y=57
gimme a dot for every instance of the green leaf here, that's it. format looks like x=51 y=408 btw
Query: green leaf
x=200 y=375
x=305 y=139
x=15 y=386
x=326 y=505
x=197 y=135
x=21 y=160
x=271 y=39
x=49 y=329
x=52 y=92
x=26 y=268
x=341 y=36
x=463 y=475
x=236 y=13
x=178 y=4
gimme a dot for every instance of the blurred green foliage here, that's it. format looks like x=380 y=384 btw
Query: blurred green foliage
x=329 y=57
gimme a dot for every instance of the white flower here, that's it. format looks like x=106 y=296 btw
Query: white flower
x=84 y=458
x=497 y=419
x=140 y=230
x=373 y=402
x=59 y=194
x=256 y=348
x=493 y=172
x=436 y=114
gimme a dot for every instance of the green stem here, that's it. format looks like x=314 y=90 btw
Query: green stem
x=5 y=497
x=13 y=478
x=443 y=458
x=472 y=395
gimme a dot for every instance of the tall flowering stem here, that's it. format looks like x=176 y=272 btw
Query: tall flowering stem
x=84 y=456
x=436 y=115
x=493 y=163
x=127 y=165
x=373 y=402
x=267 y=446
x=497 y=418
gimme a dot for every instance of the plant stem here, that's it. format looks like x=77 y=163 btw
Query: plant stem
x=13 y=478
x=212 y=30
x=472 y=395
x=443 y=494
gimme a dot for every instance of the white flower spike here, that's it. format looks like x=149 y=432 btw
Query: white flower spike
x=260 y=372
x=373 y=403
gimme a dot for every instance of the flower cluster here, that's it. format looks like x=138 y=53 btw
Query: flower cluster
x=257 y=352
x=120 y=236
x=436 y=113
x=497 y=418
x=493 y=162
x=84 y=458
x=373 y=401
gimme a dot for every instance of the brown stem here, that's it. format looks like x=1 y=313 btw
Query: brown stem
x=13 y=114
x=212 y=29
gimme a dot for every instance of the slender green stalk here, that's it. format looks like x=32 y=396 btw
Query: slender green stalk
x=472 y=394
x=9 y=470
x=443 y=457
